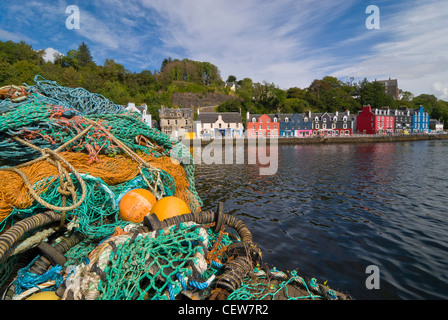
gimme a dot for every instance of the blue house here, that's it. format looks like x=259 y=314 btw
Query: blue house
x=420 y=120
x=294 y=125
x=288 y=124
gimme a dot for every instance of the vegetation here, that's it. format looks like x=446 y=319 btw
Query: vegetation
x=19 y=63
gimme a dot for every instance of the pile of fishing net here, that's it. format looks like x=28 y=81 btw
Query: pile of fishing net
x=68 y=157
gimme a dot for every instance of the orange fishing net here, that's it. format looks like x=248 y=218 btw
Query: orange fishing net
x=112 y=170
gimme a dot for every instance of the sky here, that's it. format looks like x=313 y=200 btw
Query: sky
x=286 y=42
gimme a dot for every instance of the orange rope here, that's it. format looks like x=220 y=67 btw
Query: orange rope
x=112 y=170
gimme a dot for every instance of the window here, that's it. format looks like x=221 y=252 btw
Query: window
x=260 y=127
x=317 y=126
x=261 y=120
x=345 y=126
x=305 y=119
x=275 y=126
x=324 y=126
x=324 y=119
x=253 y=127
x=333 y=126
x=268 y=127
x=286 y=119
x=253 y=120
x=275 y=119
x=267 y=121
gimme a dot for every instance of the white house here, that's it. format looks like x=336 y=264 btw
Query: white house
x=219 y=125
x=142 y=109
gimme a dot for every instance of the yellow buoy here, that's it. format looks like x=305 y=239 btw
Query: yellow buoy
x=168 y=207
x=44 y=295
x=136 y=204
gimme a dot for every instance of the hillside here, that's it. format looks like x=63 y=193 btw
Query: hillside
x=198 y=100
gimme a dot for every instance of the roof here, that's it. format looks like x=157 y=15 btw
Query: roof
x=175 y=112
x=212 y=117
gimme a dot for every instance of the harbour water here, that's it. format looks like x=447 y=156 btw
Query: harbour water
x=331 y=211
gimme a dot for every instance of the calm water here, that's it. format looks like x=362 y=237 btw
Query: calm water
x=330 y=211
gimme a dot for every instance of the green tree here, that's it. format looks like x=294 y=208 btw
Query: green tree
x=231 y=78
x=83 y=55
x=372 y=93
x=232 y=105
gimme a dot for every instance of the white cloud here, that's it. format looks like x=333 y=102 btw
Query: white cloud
x=16 y=37
x=414 y=53
x=441 y=90
x=50 y=54
x=263 y=40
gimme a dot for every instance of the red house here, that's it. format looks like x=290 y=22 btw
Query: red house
x=375 y=121
x=262 y=125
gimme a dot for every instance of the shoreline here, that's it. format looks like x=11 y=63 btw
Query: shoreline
x=321 y=140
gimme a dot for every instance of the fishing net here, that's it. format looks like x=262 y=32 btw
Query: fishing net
x=69 y=156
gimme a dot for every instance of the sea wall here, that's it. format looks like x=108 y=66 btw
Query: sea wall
x=328 y=140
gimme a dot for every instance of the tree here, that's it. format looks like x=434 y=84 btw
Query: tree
x=83 y=55
x=232 y=105
x=373 y=94
x=231 y=78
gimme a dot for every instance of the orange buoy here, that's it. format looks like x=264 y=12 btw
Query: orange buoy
x=168 y=207
x=136 y=204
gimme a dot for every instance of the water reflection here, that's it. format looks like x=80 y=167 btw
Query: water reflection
x=332 y=210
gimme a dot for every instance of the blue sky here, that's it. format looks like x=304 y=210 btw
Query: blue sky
x=288 y=42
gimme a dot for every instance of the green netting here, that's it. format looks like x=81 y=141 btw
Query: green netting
x=149 y=266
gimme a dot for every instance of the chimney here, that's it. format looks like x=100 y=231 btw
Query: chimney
x=247 y=116
x=337 y=113
x=309 y=113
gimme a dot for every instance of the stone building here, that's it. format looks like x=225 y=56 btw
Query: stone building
x=176 y=122
x=390 y=87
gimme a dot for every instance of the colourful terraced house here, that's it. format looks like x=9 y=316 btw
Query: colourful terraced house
x=262 y=125
x=375 y=121
x=295 y=125
x=420 y=120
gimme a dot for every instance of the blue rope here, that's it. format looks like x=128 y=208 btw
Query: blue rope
x=27 y=280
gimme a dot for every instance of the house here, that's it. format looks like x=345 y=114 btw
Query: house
x=403 y=120
x=375 y=121
x=435 y=125
x=304 y=125
x=390 y=87
x=176 y=122
x=231 y=85
x=142 y=110
x=294 y=125
x=219 y=125
x=288 y=124
x=344 y=123
x=262 y=125
x=321 y=123
x=333 y=124
x=420 y=120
